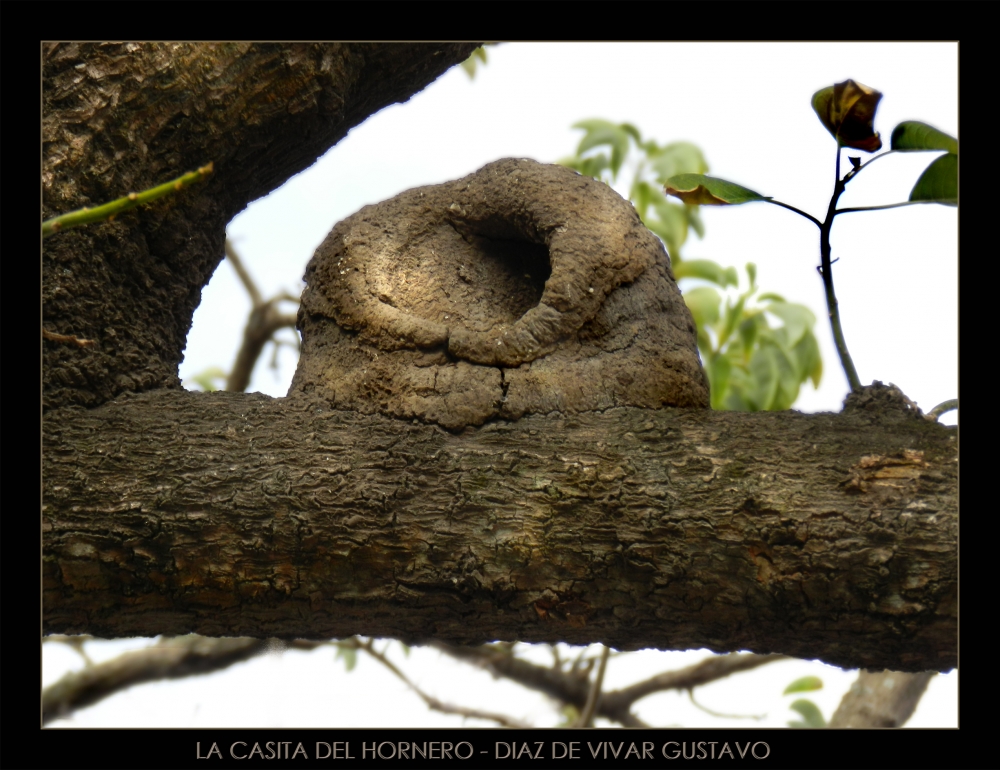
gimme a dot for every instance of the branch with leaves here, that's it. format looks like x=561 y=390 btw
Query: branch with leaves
x=847 y=111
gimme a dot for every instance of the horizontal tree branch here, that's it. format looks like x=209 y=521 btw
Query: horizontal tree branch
x=224 y=514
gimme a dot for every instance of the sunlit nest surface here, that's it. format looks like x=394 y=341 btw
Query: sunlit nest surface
x=522 y=288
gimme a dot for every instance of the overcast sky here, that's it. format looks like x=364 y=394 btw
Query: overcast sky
x=748 y=107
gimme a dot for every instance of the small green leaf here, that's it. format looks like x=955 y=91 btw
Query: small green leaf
x=811 y=715
x=810 y=362
x=939 y=182
x=703 y=302
x=912 y=135
x=206 y=379
x=765 y=373
x=469 y=65
x=671 y=224
x=719 y=372
x=696 y=189
x=678 y=158
x=798 y=319
x=601 y=132
x=633 y=132
x=804 y=684
x=694 y=219
x=350 y=656
x=707 y=270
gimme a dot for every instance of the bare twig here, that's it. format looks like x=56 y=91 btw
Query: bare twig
x=614 y=705
x=265 y=319
x=587 y=715
x=719 y=714
x=435 y=704
x=67 y=338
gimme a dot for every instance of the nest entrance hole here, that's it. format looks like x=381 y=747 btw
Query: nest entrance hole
x=480 y=277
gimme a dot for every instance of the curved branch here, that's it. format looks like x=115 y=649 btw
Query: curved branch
x=169 y=659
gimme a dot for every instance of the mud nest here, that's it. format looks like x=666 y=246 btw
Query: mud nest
x=522 y=288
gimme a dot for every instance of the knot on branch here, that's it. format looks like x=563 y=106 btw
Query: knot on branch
x=882 y=402
x=522 y=288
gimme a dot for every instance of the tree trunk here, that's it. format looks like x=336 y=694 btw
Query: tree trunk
x=166 y=512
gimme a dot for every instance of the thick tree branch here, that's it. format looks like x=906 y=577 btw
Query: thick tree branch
x=235 y=514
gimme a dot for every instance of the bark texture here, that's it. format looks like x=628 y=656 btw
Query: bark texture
x=828 y=536
x=119 y=118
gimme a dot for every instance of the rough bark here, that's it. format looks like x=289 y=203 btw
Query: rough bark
x=122 y=118
x=818 y=536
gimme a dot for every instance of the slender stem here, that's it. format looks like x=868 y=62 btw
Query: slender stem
x=827 y=273
x=886 y=206
x=108 y=210
x=590 y=708
x=810 y=217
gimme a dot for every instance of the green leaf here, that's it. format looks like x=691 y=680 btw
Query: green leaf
x=798 y=319
x=707 y=270
x=939 y=182
x=696 y=189
x=703 y=302
x=804 y=684
x=642 y=195
x=633 y=132
x=350 y=656
x=469 y=65
x=694 y=219
x=604 y=132
x=719 y=372
x=671 y=224
x=206 y=379
x=749 y=331
x=810 y=362
x=912 y=135
x=677 y=158
x=765 y=374
x=811 y=715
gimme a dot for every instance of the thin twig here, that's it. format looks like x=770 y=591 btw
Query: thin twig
x=587 y=715
x=114 y=208
x=810 y=217
x=46 y=334
x=719 y=714
x=438 y=705
x=886 y=206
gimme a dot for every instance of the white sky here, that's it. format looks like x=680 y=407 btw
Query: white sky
x=748 y=107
